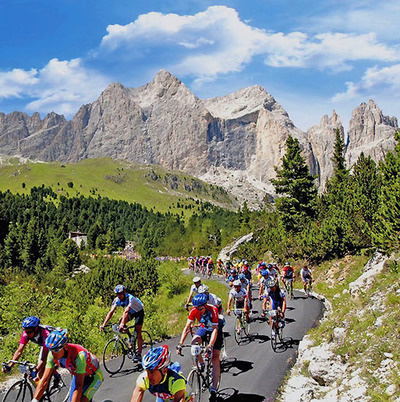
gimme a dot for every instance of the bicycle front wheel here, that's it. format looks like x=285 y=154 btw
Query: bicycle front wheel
x=194 y=382
x=58 y=390
x=114 y=356
x=237 y=329
x=20 y=391
x=274 y=337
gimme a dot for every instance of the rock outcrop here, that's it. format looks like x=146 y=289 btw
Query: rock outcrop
x=233 y=141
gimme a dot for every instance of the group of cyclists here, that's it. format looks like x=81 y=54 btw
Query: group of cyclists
x=161 y=377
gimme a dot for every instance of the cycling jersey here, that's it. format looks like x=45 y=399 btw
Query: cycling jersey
x=288 y=272
x=194 y=289
x=305 y=273
x=77 y=360
x=133 y=302
x=245 y=284
x=207 y=320
x=171 y=384
x=39 y=338
x=277 y=297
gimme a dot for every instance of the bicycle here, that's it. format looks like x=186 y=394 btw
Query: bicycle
x=117 y=348
x=22 y=390
x=200 y=378
x=277 y=325
x=241 y=327
x=288 y=284
x=308 y=287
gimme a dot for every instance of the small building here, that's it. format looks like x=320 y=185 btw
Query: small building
x=79 y=238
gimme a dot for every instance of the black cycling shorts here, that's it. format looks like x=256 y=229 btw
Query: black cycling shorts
x=138 y=316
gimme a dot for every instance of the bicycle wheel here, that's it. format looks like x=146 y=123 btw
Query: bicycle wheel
x=194 y=382
x=274 y=336
x=147 y=342
x=246 y=328
x=20 y=391
x=114 y=356
x=237 y=329
x=58 y=390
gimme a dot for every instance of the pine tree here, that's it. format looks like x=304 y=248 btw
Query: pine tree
x=297 y=186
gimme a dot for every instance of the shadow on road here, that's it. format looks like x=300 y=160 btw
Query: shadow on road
x=126 y=372
x=233 y=395
x=260 y=338
x=233 y=363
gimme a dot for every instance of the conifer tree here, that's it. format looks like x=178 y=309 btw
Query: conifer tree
x=297 y=186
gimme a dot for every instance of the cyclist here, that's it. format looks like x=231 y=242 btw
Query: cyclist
x=194 y=290
x=37 y=333
x=83 y=366
x=161 y=378
x=240 y=297
x=233 y=276
x=133 y=309
x=288 y=277
x=274 y=297
x=306 y=275
x=246 y=271
x=209 y=331
x=210 y=267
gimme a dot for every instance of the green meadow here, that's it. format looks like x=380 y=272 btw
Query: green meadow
x=151 y=186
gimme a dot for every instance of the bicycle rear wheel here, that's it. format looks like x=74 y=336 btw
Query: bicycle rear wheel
x=274 y=336
x=147 y=342
x=194 y=382
x=114 y=356
x=20 y=391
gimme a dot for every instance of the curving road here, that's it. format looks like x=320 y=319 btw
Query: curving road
x=252 y=371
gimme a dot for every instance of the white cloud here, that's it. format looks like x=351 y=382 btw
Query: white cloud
x=216 y=42
x=375 y=82
x=61 y=86
x=14 y=83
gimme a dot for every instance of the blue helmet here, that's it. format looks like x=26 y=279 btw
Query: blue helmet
x=157 y=358
x=264 y=272
x=57 y=339
x=199 y=299
x=269 y=266
x=119 y=289
x=241 y=276
x=30 y=322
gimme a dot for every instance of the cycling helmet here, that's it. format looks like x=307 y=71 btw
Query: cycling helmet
x=269 y=266
x=233 y=271
x=30 y=322
x=199 y=299
x=263 y=264
x=264 y=272
x=119 y=289
x=57 y=340
x=203 y=289
x=196 y=279
x=287 y=263
x=157 y=358
x=271 y=282
x=241 y=276
x=237 y=283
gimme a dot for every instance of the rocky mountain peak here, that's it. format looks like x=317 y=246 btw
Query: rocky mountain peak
x=370 y=132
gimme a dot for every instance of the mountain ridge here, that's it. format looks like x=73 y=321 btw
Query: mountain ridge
x=233 y=141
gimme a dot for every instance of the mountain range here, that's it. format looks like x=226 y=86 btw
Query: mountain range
x=233 y=141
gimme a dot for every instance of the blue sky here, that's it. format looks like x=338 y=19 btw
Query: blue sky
x=312 y=56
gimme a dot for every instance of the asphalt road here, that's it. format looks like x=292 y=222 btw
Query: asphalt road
x=252 y=371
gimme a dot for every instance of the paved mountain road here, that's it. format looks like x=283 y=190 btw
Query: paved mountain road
x=252 y=371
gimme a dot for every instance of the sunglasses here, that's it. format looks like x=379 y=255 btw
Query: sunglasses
x=29 y=331
x=120 y=293
x=57 y=350
x=201 y=307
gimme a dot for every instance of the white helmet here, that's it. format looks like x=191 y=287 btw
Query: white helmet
x=196 y=279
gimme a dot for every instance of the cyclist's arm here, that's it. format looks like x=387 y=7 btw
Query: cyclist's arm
x=108 y=316
x=44 y=383
x=228 y=307
x=185 y=331
x=213 y=336
x=125 y=316
x=79 y=380
x=137 y=395
x=179 y=396
x=189 y=298
x=18 y=353
x=43 y=360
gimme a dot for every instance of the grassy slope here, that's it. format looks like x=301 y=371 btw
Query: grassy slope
x=108 y=178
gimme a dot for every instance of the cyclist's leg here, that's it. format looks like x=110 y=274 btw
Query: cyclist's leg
x=139 y=317
x=197 y=339
x=91 y=385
